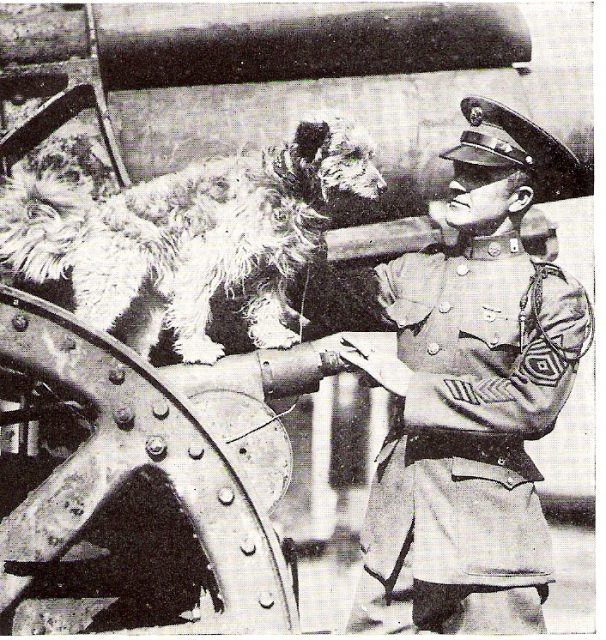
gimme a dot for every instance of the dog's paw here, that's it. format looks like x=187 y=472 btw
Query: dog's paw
x=199 y=350
x=274 y=337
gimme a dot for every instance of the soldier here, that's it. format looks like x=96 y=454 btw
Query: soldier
x=488 y=345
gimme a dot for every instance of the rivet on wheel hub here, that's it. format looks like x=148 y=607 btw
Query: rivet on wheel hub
x=124 y=416
x=155 y=446
x=196 y=451
x=117 y=376
x=248 y=547
x=160 y=409
x=266 y=600
x=20 y=323
x=226 y=496
x=68 y=344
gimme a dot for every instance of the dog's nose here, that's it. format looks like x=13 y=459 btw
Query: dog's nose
x=382 y=186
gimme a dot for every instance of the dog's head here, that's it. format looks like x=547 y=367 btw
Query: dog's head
x=338 y=155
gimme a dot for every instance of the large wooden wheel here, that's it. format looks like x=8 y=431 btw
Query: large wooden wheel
x=150 y=471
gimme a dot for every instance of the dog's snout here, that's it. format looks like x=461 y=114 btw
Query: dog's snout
x=378 y=180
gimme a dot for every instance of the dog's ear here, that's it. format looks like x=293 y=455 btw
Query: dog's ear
x=310 y=137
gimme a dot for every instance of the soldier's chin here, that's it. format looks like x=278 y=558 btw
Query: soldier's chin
x=458 y=216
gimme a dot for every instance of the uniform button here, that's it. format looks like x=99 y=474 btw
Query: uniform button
x=463 y=269
x=494 y=249
x=501 y=461
x=444 y=307
x=510 y=481
x=494 y=341
x=433 y=348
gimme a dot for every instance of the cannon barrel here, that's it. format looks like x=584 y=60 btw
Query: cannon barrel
x=264 y=374
x=146 y=46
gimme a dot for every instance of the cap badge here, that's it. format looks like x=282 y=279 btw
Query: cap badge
x=503 y=147
x=476 y=116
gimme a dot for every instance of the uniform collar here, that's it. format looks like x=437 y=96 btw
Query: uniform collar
x=492 y=247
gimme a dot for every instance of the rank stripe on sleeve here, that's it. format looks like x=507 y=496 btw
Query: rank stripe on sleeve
x=462 y=391
x=494 y=390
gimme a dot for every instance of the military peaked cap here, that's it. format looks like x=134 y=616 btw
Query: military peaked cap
x=500 y=137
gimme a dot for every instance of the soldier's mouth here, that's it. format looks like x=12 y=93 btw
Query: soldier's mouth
x=456 y=203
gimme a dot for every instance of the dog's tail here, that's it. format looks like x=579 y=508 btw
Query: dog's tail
x=41 y=219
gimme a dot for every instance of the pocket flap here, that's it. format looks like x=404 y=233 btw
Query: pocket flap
x=463 y=468
x=406 y=312
x=495 y=327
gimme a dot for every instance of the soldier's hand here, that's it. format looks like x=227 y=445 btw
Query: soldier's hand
x=385 y=368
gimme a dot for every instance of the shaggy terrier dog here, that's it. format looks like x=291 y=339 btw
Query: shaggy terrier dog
x=157 y=252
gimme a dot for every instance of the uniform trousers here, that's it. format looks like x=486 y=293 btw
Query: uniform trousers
x=446 y=609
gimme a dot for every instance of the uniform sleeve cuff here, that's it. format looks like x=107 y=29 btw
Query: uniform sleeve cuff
x=421 y=408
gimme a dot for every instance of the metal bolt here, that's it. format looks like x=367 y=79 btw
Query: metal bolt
x=226 y=496
x=124 y=416
x=195 y=450
x=116 y=376
x=248 y=547
x=160 y=409
x=20 y=323
x=266 y=600
x=155 y=446
x=68 y=344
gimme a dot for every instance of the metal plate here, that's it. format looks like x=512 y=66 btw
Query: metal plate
x=256 y=436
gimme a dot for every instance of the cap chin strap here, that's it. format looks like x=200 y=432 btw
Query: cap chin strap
x=500 y=148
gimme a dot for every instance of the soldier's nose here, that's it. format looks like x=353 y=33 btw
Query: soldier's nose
x=457 y=187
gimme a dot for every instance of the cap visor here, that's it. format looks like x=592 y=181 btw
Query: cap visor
x=476 y=155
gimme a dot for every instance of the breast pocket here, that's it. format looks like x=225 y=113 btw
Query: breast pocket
x=496 y=328
x=501 y=530
x=493 y=332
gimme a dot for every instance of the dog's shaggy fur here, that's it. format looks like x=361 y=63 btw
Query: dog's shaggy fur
x=163 y=248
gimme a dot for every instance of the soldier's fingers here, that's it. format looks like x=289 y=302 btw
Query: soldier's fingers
x=357 y=360
x=357 y=344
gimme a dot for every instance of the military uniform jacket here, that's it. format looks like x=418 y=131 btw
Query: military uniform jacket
x=453 y=474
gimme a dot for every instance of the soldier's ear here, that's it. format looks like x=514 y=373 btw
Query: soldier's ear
x=309 y=137
x=521 y=199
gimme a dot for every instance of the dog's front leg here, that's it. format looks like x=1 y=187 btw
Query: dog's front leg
x=189 y=312
x=107 y=274
x=265 y=313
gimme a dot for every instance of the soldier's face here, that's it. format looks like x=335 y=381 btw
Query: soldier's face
x=480 y=198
